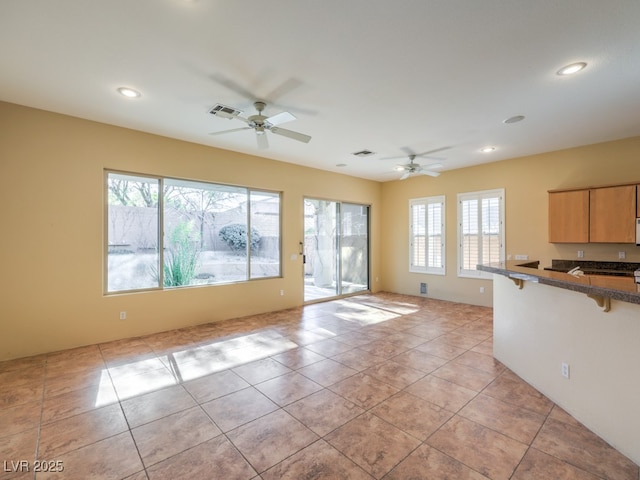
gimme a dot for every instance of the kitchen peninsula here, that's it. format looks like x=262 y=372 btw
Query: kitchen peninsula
x=591 y=324
x=598 y=279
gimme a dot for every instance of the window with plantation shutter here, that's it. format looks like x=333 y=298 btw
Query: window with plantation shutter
x=480 y=231
x=427 y=235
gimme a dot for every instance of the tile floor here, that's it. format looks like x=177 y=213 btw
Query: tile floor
x=374 y=386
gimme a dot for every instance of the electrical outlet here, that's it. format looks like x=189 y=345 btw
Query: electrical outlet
x=423 y=288
x=282 y=293
x=580 y=253
x=123 y=315
x=622 y=255
x=481 y=289
x=565 y=370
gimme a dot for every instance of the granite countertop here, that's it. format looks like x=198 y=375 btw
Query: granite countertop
x=615 y=287
x=591 y=267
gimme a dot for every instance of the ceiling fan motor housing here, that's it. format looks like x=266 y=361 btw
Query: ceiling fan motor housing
x=259 y=121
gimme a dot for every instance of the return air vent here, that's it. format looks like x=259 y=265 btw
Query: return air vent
x=223 y=111
x=363 y=153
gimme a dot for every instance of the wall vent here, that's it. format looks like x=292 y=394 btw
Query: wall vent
x=363 y=153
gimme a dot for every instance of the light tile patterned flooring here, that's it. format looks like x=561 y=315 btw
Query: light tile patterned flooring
x=374 y=386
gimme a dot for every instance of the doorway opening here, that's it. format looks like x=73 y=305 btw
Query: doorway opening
x=336 y=249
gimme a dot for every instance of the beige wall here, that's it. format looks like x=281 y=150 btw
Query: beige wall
x=526 y=181
x=51 y=244
x=51 y=173
x=538 y=328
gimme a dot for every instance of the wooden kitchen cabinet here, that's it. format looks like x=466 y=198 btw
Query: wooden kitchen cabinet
x=602 y=214
x=569 y=216
x=612 y=214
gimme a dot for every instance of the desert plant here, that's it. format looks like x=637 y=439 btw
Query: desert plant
x=235 y=236
x=181 y=256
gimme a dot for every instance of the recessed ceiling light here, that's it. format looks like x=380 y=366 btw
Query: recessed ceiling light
x=571 y=69
x=514 y=119
x=129 y=92
x=487 y=149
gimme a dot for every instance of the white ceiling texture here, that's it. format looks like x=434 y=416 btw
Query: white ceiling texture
x=392 y=77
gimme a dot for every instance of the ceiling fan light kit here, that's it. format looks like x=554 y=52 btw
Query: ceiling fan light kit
x=259 y=123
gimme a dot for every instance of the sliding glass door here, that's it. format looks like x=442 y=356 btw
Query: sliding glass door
x=336 y=249
x=354 y=248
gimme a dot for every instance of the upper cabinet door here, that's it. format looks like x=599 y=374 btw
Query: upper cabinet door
x=569 y=216
x=612 y=214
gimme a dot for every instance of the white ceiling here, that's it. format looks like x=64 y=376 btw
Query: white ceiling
x=387 y=76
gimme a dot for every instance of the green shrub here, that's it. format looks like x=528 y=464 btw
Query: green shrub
x=181 y=256
x=235 y=236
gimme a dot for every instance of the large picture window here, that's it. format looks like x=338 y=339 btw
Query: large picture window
x=427 y=235
x=480 y=231
x=211 y=233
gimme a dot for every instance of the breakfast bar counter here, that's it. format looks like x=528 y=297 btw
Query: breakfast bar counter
x=602 y=288
x=584 y=356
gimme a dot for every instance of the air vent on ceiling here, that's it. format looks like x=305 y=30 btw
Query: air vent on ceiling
x=223 y=111
x=363 y=153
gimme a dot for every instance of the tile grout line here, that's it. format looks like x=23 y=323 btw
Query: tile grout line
x=44 y=386
x=296 y=319
x=120 y=400
x=425 y=441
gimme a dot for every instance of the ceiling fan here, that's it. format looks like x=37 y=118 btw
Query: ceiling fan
x=260 y=123
x=413 y=168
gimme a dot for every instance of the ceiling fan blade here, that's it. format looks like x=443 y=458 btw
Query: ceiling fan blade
x=280 y=118
x=242 y=119
x=229 y=131
x=282 y=89
x=405 y=175
x=432 y=165
x=429 y=172
x=409 y=153
x=423 y=154
x=301 y=137
x=232 y=85
x=263 y=142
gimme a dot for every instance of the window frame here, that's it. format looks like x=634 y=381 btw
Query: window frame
x=160 y=230
x=479 y=196
x=425 y=202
